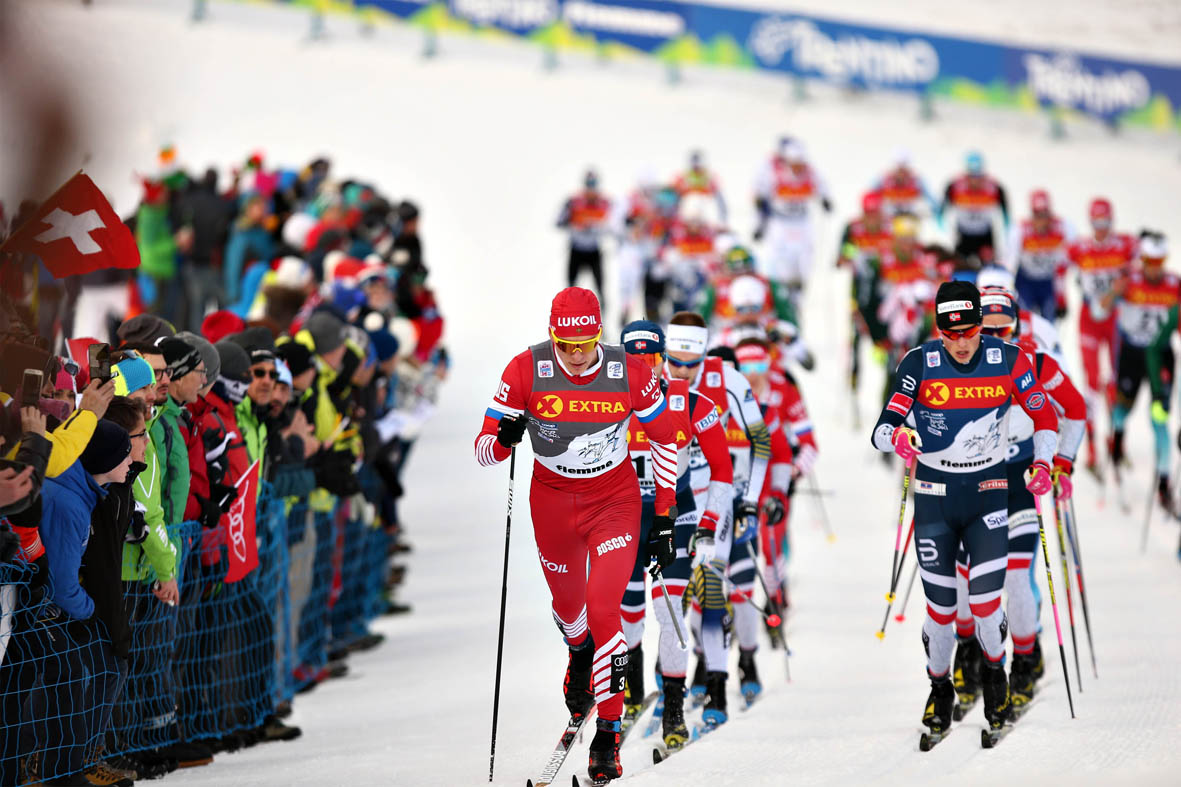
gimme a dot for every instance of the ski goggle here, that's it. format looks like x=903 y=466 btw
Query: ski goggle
x=651 y=359
x=685 y=364
x=568 y=346
x=963 y=333
x=755 y=367
x=1000 y=331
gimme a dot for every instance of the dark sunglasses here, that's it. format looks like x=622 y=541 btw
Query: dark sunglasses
x=261 y=373
x=684 y=364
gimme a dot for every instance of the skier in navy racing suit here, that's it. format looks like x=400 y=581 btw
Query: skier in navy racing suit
x=956 y=391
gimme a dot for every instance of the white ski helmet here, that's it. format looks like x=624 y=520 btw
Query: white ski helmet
x=748 y=294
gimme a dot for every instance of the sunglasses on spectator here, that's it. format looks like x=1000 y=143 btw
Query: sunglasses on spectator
x=686 y=364
x=261 y=373
x=963 y=333
x=138 y=435
x=585 y=345
x=1000 y=331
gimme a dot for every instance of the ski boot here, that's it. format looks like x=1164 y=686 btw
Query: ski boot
x=1039 y=663
x=998 y=709
x=966 y=675
x=1021 y=686
x=748 y=676
x=633 y=697
x=1164 y=494
x=1116 y=445
x=604 y=752
x=676 y=734
x=697 y=688
x=714 y=714
x=937 y=715
x=577 y=686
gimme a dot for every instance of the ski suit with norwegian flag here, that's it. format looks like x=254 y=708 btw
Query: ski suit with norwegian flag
x=697 y=424
x=961 y=482
x=584 y=497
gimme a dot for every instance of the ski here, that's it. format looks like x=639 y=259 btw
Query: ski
x=554 y=764
x=627 y=724
x=586 y=781
x=657 y=719
x=962 y=708
x=751 y=695
x=928 y=740
x=990 y=737
x=661 y=752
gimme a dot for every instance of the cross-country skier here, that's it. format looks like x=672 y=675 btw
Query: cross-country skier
x=902 y=190
x=784 y=191
x=686 y=341
x=575 y=396
x=959 y=389
x=1000 y=320
x=586 y=216
x=1036 y=255
x=699 y=180
x=976 y=198
x=1101 y=260
x=1142 y=301
x=698 y=429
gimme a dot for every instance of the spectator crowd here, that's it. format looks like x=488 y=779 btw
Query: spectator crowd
x=201 y=468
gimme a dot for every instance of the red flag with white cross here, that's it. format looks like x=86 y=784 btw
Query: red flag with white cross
x=76 y=231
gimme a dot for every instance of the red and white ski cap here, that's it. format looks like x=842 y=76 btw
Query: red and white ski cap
x=1039 y=201
x=574 y=315
x=751 y=353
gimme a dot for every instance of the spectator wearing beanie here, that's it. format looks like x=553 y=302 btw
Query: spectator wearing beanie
x=186 y=374
x=144 y=329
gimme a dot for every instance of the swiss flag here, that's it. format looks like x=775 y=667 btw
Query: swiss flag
x=76 y=231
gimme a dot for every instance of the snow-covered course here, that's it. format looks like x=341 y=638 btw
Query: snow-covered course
x=489 y=144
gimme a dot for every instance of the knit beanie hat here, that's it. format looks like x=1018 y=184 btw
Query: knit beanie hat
x=327 y=331
x=297 y=357
x=957 y=304
x=383 y=344
x=254 y=338
x=107 y=449
x=180 y=356
x=144 y=329
x=218 y=325
x=208 y=354
x=235 y=371
x=131 y=374
x=235 y=363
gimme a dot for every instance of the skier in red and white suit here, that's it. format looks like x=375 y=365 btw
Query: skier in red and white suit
x=576 y=397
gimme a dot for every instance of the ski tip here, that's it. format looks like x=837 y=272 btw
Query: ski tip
x=924 y=742
x=574 y=781
x=656 y=756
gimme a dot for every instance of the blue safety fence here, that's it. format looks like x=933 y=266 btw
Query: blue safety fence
x=217 y=663
x=979 y=71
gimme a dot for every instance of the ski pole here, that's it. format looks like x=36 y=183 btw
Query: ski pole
x=828 y=531
x=901 y=616
x=782 y=634
x=1037 y=501
x=898 y=533
x=881 y=633
x=1059 y=515
x=512 y=468
x=656 y=572
x=1072 y=534
x=773 y=620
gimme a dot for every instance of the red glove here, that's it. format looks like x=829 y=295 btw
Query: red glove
x=1063 y=486
x=1038 y=479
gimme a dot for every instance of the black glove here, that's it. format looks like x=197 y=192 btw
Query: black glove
x=210 y=512
x=1060 y=311
x=773 y=510
x=510 y=430
x=758 y=233
x=137 y=528
x=826 y=203
x=660 y=541
x=223 y=495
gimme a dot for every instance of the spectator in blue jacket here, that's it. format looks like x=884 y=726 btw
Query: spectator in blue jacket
x=70 y=716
